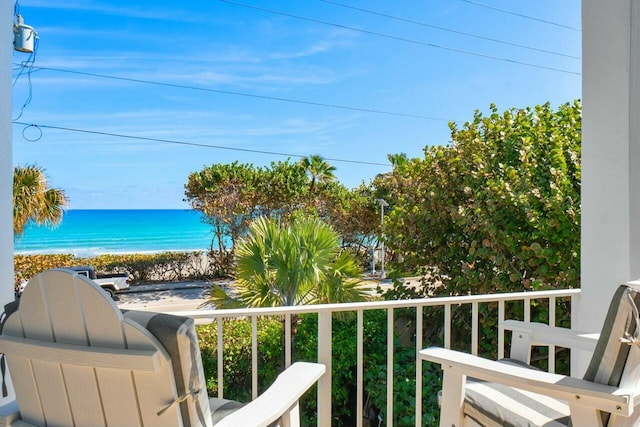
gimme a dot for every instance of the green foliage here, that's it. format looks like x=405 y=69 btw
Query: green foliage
x=232 y=195
x=237 y=356
x=499 y=209
x=34 y=200
x=165 y=266
x=291 y=264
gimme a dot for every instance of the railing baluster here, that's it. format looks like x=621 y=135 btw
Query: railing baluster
x=500 y=329
x=418 y=366
x=287 y=340
x=577 y=361
x=254 y=356
x=220 y=360
x=552 y=322
x=447 y=326
x=360 y=369
x=324 y=357
x=474 y=328
x=390 y=366
x=527 y=309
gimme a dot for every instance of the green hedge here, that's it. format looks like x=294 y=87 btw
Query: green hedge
x=165 y=266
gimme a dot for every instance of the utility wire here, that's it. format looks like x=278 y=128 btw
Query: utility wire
x=437 y=27
x=192 y=144
x=388 y=36
x=249 y=95
x=521 y=15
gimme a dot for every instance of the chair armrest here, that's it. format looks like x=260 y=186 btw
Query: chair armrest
x=279 y=398
x=528 y=334
x=572 y=390
x=543 y=334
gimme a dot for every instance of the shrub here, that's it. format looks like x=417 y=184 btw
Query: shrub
x=165 y=266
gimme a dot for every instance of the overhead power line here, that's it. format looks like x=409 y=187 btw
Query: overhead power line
x=249 y=95
x=450 y=30
x=186 y=143
x=403 y=39
x=521 y=15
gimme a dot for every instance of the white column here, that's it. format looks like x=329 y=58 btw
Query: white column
x=610 y=153
x=6 y=163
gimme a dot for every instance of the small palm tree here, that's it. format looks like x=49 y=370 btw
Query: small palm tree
x=33 y=200
x=318 y=169
x=294 y=264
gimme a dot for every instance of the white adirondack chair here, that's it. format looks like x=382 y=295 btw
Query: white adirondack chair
x=76 y=360
x=481 y=392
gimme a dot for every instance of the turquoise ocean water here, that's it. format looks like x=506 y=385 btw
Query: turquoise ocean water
x=93 y=232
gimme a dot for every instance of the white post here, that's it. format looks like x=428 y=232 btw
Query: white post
x=6 y=160
x=382 y=272
x=383 y=204
x=325 y=334
x=610 y=238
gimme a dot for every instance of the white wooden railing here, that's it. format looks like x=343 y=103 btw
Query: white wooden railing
x=325 y=314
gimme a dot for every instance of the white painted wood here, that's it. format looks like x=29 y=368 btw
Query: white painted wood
x=390 y=338
x=584 y=416
x=287 y=340
x=325 y=358
x=610 y=199
x=451 y=412
x=500 y=330
x=360 y=368
x=521 y=345
x=628 y=381
x=419 y=330
x=6 y=159
x=542 y=334
x=77 y=362
x=220 y=356
x=594 y=395
x=447 y=326
x=97 y=357
x=474 y=328
x=254 y=357
x=324 y=341
x=280 y=398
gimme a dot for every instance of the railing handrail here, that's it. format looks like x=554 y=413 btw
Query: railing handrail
x=374 y=305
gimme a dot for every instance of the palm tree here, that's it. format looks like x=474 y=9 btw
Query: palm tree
x=318 y=169
x=33 y=200
x=294 y=264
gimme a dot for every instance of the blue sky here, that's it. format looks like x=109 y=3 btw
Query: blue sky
x=235 y=60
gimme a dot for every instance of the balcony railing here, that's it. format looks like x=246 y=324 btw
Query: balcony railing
x=543 y=300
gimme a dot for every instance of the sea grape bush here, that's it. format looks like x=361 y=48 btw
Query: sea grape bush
x=498 y=209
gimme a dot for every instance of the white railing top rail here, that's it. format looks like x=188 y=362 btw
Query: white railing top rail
x=373 y=305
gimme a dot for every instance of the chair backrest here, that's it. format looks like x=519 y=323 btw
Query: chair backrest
x=75 y=360
x=616 y=359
